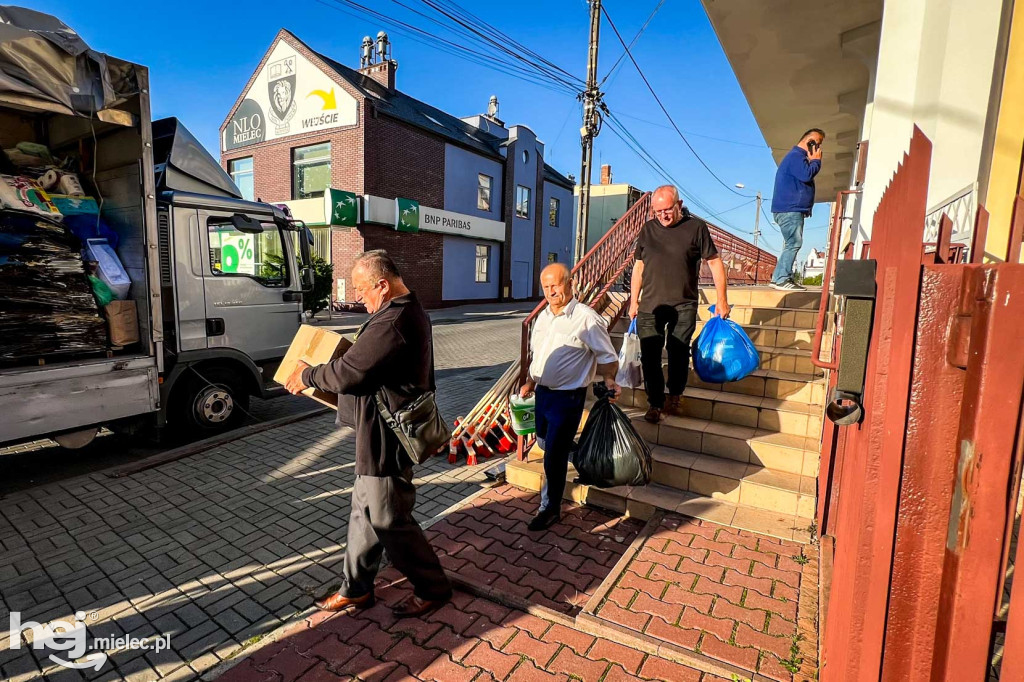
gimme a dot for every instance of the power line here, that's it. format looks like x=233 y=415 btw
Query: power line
x=706 y=137
x=495 y=63
x=664 y=110
x=501 y=36
x=633 y=42
x=638 y=148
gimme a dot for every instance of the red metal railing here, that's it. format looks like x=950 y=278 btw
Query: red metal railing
x=598 y=270
x=744 y=262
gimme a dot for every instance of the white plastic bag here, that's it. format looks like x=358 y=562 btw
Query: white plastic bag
x=630 y=373
x=109 y=269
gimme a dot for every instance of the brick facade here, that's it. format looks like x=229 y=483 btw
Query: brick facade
x=379 y=156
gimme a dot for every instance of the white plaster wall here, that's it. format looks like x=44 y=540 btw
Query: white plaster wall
x=934 y=70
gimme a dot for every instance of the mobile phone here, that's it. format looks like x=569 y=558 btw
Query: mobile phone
x=812 y=146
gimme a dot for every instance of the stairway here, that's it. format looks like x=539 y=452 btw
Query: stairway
x=743 y=454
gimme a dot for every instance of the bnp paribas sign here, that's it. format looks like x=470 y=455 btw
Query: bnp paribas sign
x=341 y=208
x=410 y=216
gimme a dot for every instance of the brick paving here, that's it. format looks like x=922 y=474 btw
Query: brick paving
x=217 y=549
x=468 y=639
x=486 y=542
x=732 y=595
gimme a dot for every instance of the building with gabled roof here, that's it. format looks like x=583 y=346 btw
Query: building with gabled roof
x=487 y=211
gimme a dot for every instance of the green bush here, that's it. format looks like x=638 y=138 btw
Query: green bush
x=813 y=281
x=323 y=281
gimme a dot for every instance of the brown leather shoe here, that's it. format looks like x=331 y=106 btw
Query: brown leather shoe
x=413 y=607
x=653 y=415
x=672 y=403
x=339 y=602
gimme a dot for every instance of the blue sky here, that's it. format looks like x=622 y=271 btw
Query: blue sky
x=201 y=54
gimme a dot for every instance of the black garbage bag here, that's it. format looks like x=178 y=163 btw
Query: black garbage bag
x=610 y=451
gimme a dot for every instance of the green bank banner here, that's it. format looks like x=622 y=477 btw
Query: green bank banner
x=407 y=215
x=341 y=208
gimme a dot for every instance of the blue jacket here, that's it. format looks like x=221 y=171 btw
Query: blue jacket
x=794 y=183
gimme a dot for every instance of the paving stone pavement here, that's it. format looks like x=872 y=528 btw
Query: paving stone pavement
x=213 y=550
x=736 y=596
x=484 y=542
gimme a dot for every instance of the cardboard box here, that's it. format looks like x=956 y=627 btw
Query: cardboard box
x=314 y=346
x=122 y=322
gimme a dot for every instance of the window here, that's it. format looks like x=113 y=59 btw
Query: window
x=522 y=202
x=483 y=263
x=241 y=172
x=552 y=257
x=311 y=171
x=241 y=254
x=553 y=206
x=483 y=192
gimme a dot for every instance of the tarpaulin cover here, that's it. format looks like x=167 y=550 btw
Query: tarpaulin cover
x=610 y=451
x=44 y=60
x=46 y=302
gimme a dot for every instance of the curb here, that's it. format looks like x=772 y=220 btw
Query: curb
x=211 y=442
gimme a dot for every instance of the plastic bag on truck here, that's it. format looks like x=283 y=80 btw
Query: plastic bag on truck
x=610 y=451
x=723 y=351
x=109 y=267
x=630 y=373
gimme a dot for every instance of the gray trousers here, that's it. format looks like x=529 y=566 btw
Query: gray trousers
x=382 y=520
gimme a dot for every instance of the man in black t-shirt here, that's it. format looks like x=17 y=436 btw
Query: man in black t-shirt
x=663 y=295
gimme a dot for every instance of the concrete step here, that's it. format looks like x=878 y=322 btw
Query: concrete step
x=762 y=335
x=641 y=502
x=765 y=297
x=769 y=414
x=780 y=452
x=724 y=479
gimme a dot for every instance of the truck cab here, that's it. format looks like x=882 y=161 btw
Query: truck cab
x=232 y=273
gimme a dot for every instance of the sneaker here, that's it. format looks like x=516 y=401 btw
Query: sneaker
x=653 y=415
x=799 y=286
x=785 y=286
x=672 y=404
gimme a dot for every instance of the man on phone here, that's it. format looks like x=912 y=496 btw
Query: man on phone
x=792 y=202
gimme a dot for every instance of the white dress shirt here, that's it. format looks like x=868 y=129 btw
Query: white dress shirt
x=568 y=347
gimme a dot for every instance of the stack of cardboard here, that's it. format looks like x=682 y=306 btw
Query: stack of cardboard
x=46 y=301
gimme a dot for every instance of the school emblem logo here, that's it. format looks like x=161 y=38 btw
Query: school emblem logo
x=281 y=89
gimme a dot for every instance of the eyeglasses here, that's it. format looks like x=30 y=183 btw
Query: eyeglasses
x=664 y=211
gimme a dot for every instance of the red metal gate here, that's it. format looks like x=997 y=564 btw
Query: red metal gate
x=922 y=502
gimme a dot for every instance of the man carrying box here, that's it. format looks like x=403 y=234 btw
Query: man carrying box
x=394 y=352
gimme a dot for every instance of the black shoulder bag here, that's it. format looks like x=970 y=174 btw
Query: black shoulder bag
x=420 y=428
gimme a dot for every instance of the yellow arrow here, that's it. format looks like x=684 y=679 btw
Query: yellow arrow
x=328 y=97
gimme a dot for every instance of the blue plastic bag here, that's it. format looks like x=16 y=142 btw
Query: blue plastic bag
x=723 y=351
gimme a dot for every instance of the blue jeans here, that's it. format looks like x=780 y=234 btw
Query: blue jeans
x=792 y=227
x=558 y=417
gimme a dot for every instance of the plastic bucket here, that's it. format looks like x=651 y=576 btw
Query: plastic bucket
x=523 y=414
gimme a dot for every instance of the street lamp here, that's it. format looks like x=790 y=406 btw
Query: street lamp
x=757 y=215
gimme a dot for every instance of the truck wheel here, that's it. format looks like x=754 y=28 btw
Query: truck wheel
x=211 y=402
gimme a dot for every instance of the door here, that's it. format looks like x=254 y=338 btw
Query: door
x=520 y=279
x=250 y=280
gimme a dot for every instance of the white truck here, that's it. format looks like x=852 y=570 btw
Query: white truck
x=210 y=335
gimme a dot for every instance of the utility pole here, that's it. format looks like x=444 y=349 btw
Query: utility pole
x=591 y=126
x=757 y=219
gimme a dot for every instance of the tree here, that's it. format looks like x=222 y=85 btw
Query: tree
x=323 y=282
x=813 y=281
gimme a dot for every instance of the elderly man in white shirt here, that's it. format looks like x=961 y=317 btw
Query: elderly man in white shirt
x=569 y=343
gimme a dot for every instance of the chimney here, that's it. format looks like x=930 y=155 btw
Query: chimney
x=376 y=62
x=606 y=174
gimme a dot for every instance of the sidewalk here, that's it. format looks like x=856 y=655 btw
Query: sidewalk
x=593 y=598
